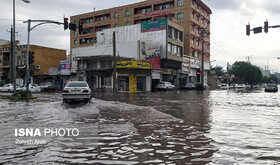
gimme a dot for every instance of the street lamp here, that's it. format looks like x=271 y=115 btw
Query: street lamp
x=13 y=41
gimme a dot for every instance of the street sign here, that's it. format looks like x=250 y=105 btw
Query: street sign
x=257 y=30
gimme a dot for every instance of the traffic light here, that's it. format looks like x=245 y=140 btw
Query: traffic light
x=65 y=23
x=31 y=57
x=80 y=27
x=248 y=29
x=266 y=26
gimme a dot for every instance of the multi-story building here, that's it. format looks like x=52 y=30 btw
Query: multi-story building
x=44 y=58
x=193 y=15
x=159 y=43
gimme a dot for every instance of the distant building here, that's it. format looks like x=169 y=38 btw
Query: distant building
x=45 y=58
x=192 y=15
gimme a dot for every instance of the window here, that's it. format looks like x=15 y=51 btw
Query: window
x=127 y=12
x=75 y=22
x=180 y=2
x=116 y=15
x=192 y=41
x=197 y=43
x=180 y=51
x=75 y=42
x=91 y=20
x=107 y=82
x=75 y=32
x=116 y=25
x=127 y=24
x=92 y=65
x=0 y=61
x=193 y=15
x=197 y=18
x=169 y=47
x=174 y=49
x=106 y=64
x=180 y=16
x=181 y=36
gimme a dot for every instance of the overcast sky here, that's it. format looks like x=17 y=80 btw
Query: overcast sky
x=229 y=42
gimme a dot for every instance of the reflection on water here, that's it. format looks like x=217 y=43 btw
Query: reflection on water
x=191 y=127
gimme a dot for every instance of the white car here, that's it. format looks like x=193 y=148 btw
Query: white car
x=164 y=85
x=8 y=88
x=76 y=90
x=33 y=88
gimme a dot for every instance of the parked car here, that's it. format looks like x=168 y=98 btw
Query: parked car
x=188 y=86
x=33 y=88
x=47 y=86
x=76 y=90
x=8 y=88
x=271 y=88
x=164 y=86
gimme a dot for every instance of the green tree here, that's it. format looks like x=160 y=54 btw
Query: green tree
x=265 y=79
x=247 y=72
x=219 y=70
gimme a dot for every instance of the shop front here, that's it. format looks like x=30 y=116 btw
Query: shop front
x=133 y=76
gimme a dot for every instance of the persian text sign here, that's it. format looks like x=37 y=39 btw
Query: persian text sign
x=149 y=26
x=133 y=64
x=53 y=71
x=65 y=67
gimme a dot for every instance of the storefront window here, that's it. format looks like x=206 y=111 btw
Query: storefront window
x=123 y=82
x=107 y=82
x=141 y=83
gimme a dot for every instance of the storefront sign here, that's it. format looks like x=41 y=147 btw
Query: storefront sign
x=207 y=65
x=133 y=64
x=155 y=75
x=171 y=64
x=195 y=63
x=149 y=26
x=154 y=61
x=53 y=71
x=193 y=72
x=65 y=67
x=186 y=65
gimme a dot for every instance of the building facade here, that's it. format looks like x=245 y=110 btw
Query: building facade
x=192 y=15
x=158 y=44
x=44 y=58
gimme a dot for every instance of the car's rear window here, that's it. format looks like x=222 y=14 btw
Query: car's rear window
x=77 y=85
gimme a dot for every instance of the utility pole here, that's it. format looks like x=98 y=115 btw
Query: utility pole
x=249 y=58
x=202 y=58
x=11 y=56
x=114 y=63
x=228 y=73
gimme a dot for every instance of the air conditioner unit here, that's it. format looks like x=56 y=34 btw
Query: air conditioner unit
x=37 y=67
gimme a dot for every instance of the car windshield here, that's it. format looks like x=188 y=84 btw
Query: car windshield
x=77 y=84
x=270 y=85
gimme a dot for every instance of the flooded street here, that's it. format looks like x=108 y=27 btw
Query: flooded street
x=173 y=127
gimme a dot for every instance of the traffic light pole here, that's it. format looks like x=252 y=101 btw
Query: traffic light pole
x=27 y=57
x=41 y=22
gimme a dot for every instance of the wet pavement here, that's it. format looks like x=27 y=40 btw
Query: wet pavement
x=173 y=127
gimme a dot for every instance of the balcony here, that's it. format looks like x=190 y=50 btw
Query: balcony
x=142 y=10
x=163 y=6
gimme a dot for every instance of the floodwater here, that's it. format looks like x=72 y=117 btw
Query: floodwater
x=173 y=127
